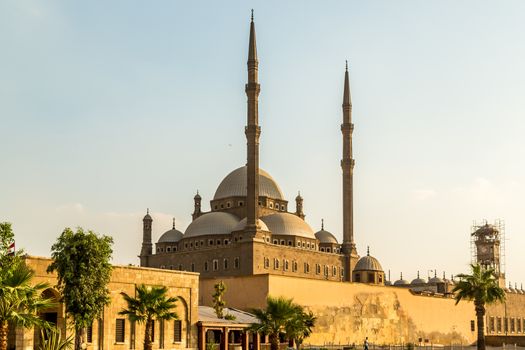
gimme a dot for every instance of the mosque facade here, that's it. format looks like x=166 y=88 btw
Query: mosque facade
x=251 y=229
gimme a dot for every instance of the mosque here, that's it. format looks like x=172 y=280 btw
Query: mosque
x=250 y=228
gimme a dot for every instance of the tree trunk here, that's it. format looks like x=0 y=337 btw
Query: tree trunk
x=4 y=329
x=147 y=336
x=78 y=339
x=480 y=315
x=274 y=341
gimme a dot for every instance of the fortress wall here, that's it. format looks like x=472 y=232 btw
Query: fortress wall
x=349 y=312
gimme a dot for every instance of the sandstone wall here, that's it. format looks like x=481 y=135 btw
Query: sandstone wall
x=349 y=312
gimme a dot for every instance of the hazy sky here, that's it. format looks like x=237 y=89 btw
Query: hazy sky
x=107 y=108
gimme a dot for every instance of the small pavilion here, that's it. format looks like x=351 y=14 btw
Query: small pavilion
x=228 y=334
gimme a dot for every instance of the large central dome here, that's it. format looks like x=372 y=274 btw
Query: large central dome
x=234 y=185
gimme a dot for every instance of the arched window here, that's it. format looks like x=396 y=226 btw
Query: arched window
x=236 y=263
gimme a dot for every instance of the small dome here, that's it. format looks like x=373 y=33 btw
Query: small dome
x=234 y=185
x=214 y=223
x=171 y=236
x=197 y=196
x=388 y=283
x=368 y=263
x=147 y=217
x=418 y=281
x=401 y=282
x=288 y=224
x=435 y=279
x=325 y=237
x=242 y=224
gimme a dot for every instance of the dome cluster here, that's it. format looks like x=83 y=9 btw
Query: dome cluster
x=225 y=217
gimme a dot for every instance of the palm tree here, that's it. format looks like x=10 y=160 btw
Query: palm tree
x=20 y=302
x=150 y=303
x=482 y=288
x=274 y=319
x=300 y=327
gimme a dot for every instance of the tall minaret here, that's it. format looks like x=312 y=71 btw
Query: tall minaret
x=147 y=246
x=347 y=164
x=252 y=131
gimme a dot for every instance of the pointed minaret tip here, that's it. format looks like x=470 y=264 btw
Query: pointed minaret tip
x=346 y=95
x=173 y=223
x=252 y=50
x=346 y=61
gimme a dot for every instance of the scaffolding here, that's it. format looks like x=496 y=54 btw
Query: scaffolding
x=483 y=232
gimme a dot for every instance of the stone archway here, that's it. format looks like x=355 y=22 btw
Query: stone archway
x=54 y=315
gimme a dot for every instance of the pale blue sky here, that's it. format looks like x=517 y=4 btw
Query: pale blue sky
x=107 y=108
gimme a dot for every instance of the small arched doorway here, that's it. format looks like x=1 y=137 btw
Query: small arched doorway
x=53 y=315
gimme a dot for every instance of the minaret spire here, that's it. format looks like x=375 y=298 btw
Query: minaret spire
x=253 y=132
x=347 y=165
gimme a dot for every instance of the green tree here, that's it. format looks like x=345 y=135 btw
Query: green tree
x=150 y=303
x=274 y=318
x=82 y=262
x=218 y=299
x=7 y=260
x=299 y=327
x=20 y=302
x=482 y=288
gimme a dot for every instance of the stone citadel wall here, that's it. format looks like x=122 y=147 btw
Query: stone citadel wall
x=349 y=312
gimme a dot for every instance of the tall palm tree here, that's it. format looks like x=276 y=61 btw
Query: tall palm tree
x=300 y=327
x=20 y=302
x=150 y=303
x=482 y=288
x=274 y=319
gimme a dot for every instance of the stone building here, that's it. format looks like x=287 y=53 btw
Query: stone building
x=250 y=228
x=113 y=331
